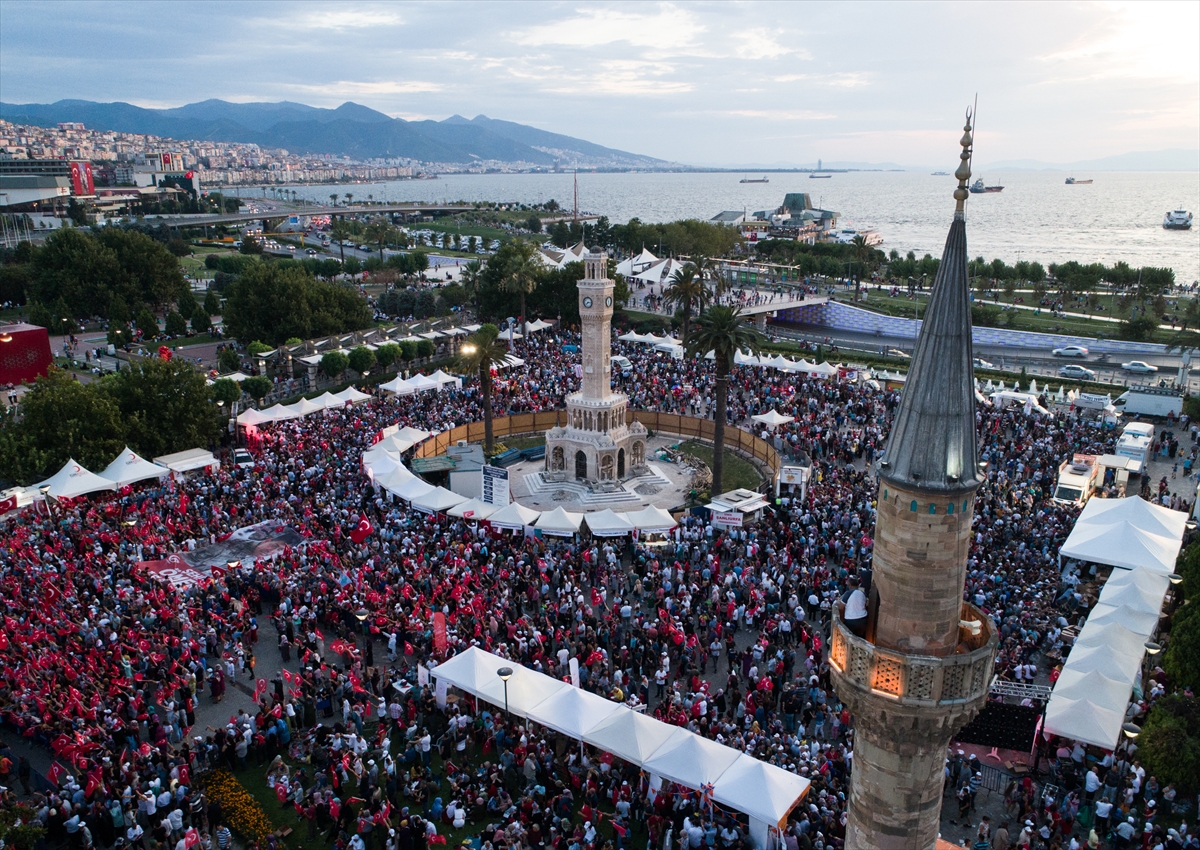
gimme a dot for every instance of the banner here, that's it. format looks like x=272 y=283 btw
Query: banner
x=249 y=543
x=439 y=693
x=495 y=486
x=422 y=675
x=729 y=519
x=574 y=665
x=439 y=632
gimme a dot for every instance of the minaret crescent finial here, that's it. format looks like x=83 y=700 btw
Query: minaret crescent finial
x=963 y=172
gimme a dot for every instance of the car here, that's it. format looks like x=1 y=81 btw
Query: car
x=324 y=243
x=980 y=363
x=896 y=352
x=242 y=459
x=1138 y=366
x=1074 y=370
x=311 y=251
x=1071 y=351
x=291 y=247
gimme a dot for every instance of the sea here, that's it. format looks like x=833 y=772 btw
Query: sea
x=1036 y=218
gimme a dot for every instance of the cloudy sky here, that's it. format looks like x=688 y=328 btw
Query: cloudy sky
x=703 y=83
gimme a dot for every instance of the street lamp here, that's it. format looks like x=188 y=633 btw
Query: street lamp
x=505 y=673
x=1175 y=578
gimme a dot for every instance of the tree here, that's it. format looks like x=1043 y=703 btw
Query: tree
x=176 y=325
x=379 y=232
x=164 y=405
x=257 y=347
x=471 y=280
x=533 y=224
x=225 y=390
x=387 y=354
x=522 y=276
x=250 y=245
x=212 y=303
x=228 y=360
x=560 y=234
x=723 y=331
x=271 y=304
x=186 y=304
x=201 y=323
x=257 y=387
x=687 y=289
x=361 y=359
x=1181 y=659
x=482 y=353
x=1169 y=744
x=334 y=363
x=425 y=348
x=146 y=323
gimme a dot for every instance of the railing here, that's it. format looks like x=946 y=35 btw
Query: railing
x=736 y=439
x=916 y=680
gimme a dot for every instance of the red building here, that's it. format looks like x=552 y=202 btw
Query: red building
x=24 y=353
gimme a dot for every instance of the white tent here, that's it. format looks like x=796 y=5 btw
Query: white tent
x=823 y=370
x=1084 y=659
x=189 y=460
x=279 y=411
x=381 y=464
x=442 y=379
x=763 y=791
x=690 y=760
x=304 y=407
x=559 y=522
x=438 y=500
x=773 y=419
x=1152 y=518
x=1122 y=544
x=630 y=735
x=511 y=360
x=351 y=396
x=509 y=333
x=632 y=265
x=514 y=515
x=394 y=443
x=421 y=383
x=416 y=435
x=1093 y=686
x=606 y=523
x=73 y=480
x=632 y=336
x=651 y=518
x=1143 y=622
x=394 y=480
x=535 y=326
x=475 y=671
x=411 y=489
x=129 y=467
x=327 y=400
x=398 y=386
x=472 y=509
x=1083 y=720
x=573 y=711
x=253 y=417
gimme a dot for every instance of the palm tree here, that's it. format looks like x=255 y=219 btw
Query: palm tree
x=379 y=231
x=1188 y=335
x=687 y=288
x=863 y=252
x=523 y=275
x=723 y=331
x=471 y=278
x=333 y=199
x=341 y=232
x=482 y=352
x=349 y=198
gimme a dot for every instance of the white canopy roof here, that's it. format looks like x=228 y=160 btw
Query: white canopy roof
x=651 y=518
x=558 y=522
x=634 y=336
x=279 y=411
x=414 y=434
x=1152 y=518
x=514 y=515
x=253 y=417
x=761 y=790
x=630 y=735
x=399 y=386
x=474 y=671
x=509 y=333
x=437 y=500
x=1143 y=622
x=381 y=463
x=606 y=523
x=73 y=480
x=129 y=467
x=472 y=509
x=327 y=400
x=773 y=419
x=188 y=460
x=394 y=480
x=395 y=443
x=421 y=383
x=351 y=395
x=411 y=489
x=1084 y=720
x=442 y=378
x=1122 y=544
x=690 y=760
x=304 y=407
x=573 y=711
x=511 y=360
x=535 y=326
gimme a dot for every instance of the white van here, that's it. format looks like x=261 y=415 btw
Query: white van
x=622 y=365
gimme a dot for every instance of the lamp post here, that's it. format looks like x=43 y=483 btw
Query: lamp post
x=362 y=614
x=45 y=490
x=505 y=673
x=1152 y=649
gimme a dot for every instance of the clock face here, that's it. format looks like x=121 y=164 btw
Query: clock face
x=587 y=302
x=608 y=301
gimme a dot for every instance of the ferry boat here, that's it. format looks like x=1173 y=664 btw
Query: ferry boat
x=977 y=188
x=1178 y=220
x=815 y=176
x=762 y=179
x=846 y=236
x=941 y=174
x=1071 y=181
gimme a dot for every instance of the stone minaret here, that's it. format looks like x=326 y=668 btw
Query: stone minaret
x=598 y=445
x=924 y=668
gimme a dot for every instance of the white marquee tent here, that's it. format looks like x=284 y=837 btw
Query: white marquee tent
x=129 y=467
x=607 y=523
x=411 y=488
x=472 y=509
x=514 y=515
x=398 y=386
x=73 y=480
x=558 y=522
x=351 y=396
x=690 y=760
x=573 y=712
x=438 y=500
x=652 y=519
x=759 y=789
x=630 y=735
x=773 y=419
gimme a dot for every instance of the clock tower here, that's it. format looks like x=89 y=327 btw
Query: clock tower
x=598 y=445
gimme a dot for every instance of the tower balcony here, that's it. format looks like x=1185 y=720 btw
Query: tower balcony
x=917 y=681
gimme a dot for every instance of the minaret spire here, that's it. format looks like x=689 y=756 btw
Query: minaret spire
x=963 y=172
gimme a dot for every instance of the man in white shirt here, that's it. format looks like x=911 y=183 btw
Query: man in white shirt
x=855 y=614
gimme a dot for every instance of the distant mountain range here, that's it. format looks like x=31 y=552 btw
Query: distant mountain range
x=1171 y=159
x=351 y=130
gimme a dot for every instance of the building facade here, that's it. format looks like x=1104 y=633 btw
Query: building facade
x=598 y=445
x=923 y=668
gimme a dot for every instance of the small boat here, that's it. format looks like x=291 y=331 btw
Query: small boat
x=977 y=188
x=815 y=176
x=941 y=174
x=1071 y=181
x=1177 y=220
x=762 y=179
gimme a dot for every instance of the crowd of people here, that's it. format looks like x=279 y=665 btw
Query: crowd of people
x=721 y=631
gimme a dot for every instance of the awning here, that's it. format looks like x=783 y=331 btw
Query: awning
x=651 y=519
x=129 y=467
x=573 y=712
x=559 y=522
x=514 y=515
x=773 y=419
x=606 y=523
x=437 y=500
x=473 y=510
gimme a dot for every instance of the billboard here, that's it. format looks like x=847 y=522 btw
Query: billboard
x=82 y=182
x=495 y=486
x=250 y=543
x=24 y=353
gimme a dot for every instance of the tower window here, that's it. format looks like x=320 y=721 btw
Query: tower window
x=950 y=508
x=932 y=508
x=964 y=506
x=913 y=506
x=885 y=495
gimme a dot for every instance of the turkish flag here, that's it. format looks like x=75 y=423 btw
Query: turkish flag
x=51 y=593
x=9 y=504
x=93 y=782
x=191 y=838
x=260 y=690
x=56 y=774
x=364 y=528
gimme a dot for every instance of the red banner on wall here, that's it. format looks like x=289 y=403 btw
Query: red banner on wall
x=439 y=632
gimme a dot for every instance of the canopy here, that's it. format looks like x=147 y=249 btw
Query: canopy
x=327 y=400
x=472 y=509
x=381 y=463
x=437 y=500
x=412 y=488
x=395 y=443
x=398 y=386
x=442 y=379
x=651 y=519
x=773 y=419
x=606 y=523
x=559 y=522
x=253 y=417
x=1122 y=544
x=351 y=396
x=1154 y=519
x=73 y=480
x=1143 y=622
x=690 y=760
x=394 y=480
x=421 y=383
x=573 y=711
x=761 y=790
x=1083 y=720
x=474 y=671
x=510 y=360
x=535 y=326
x=129 y=467
x=189 y=460
x=633 y=336
x=630 y=735
x=509 y=333
x=414 y=434
x=279 y=411
x=514 y=515
x=304 y=407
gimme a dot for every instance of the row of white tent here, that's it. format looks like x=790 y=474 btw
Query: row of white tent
x=420 y=383
x=303 y=407
x=766 y=793
x=75 y=480
x=669 y=343
x=1141 y=541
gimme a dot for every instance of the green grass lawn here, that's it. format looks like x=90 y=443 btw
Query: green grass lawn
x=738 y=472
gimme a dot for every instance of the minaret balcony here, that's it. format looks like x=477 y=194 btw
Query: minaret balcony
x=917 y=680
